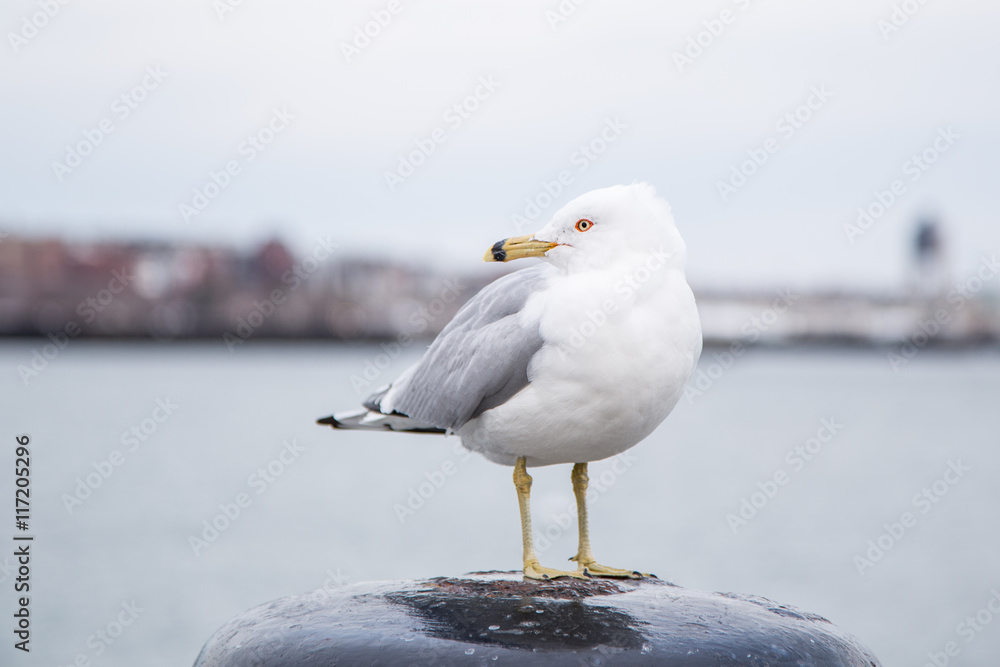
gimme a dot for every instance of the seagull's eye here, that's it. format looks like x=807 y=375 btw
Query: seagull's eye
x=583 y=225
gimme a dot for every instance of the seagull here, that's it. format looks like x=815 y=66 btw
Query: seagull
x=572 y=360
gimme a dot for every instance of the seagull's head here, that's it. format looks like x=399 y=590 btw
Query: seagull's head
x=623 y=224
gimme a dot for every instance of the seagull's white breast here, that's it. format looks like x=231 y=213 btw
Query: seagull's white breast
x=619 y=346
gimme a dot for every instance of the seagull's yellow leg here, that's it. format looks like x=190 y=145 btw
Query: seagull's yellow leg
x=532 y=570
x=584 y=556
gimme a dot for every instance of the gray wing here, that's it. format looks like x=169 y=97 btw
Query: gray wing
x=476 y=363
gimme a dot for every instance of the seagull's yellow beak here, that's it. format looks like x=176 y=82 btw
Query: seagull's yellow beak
x=517 y=247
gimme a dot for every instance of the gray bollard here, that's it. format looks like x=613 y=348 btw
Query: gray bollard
x=499 y=618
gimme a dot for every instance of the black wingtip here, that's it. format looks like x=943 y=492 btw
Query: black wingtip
x=329 y=421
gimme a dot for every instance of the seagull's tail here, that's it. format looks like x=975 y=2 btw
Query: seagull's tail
x=369 y=420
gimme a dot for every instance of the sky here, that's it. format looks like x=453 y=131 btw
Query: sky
x=766 y=124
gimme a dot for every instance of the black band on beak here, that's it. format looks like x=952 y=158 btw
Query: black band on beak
x=499 y=254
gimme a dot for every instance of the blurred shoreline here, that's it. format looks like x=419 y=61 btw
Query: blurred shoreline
x=164 y=292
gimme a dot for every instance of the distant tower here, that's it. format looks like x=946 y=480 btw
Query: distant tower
x=930 y=272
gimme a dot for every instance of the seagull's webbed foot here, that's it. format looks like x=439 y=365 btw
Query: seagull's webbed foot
x=533 y=570
x=595 y=569
x=584 y=557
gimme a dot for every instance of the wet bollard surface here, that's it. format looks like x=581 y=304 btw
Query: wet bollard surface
x=498 y=618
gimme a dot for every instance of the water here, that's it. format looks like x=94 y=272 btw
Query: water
x=329 y=518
